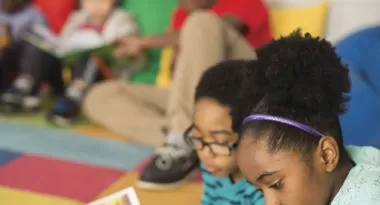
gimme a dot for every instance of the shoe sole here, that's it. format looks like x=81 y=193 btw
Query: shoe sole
x=60 y=122
x=14 y=108
x=149 y=186
x=10 y=108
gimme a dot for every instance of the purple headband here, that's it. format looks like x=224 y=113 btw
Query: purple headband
x=284 y=121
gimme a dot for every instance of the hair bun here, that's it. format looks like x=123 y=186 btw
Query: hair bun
x=304 y=73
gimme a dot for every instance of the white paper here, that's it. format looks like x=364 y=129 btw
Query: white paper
x=81 y=40
x=46 y=34
x=126 y=196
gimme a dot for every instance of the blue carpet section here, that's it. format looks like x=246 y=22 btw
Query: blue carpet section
x=70 y=146
x=8 y=156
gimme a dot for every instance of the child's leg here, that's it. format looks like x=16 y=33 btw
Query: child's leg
x=9 y=64
x=84 y=74
x=134 y=111
x=53 y=75
x=22 y=94
x=67 y=108
x=31 y=69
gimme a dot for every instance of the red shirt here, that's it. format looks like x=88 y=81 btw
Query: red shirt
x=253 y=13
x=56 y=11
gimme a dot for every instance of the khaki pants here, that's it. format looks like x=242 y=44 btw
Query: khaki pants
x=140 y=111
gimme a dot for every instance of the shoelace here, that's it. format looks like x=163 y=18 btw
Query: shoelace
x=172 y=151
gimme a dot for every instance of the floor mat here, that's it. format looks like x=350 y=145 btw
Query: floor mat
x=43 y=165
x=71 y=146
x=81 y=126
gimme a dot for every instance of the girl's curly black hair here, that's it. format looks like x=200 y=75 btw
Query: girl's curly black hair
x=223 y=83
x=304 y=80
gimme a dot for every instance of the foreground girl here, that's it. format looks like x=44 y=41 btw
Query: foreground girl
x=292 y=147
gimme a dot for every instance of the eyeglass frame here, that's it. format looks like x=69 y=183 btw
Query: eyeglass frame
x=231 y=147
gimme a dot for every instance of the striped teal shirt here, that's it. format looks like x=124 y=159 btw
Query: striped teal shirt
x=222 y=191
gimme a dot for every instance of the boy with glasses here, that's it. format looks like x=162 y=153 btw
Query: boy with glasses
x=220 y=106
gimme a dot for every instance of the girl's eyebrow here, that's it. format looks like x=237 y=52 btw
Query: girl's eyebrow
x=265 y=174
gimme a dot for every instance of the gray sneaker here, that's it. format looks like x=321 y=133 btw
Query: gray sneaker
x=170 y=168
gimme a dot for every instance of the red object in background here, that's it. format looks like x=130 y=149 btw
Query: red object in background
x=253 y=13
x=56 y=11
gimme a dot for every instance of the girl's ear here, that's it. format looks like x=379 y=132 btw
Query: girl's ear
x=328 y=153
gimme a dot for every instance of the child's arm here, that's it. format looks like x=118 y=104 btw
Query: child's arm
x=32 y=17
x=119 y=24
x=127 y=27
x=72 y=23
x=126 y=22
x=38 y=18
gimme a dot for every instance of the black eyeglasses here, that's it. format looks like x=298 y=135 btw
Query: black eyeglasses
x=218 y=149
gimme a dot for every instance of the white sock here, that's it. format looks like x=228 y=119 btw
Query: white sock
x=178 y=140
x=24 y=84
x=74 y=93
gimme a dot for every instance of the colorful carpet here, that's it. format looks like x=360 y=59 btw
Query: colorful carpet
x=48 y=166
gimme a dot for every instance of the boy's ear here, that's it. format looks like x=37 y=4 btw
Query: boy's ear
x=328 y=152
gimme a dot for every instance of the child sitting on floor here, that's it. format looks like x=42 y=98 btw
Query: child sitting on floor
x=16 y=17
x=218 y=112
x=97 y=16
x=292 y=145
x=21 y=16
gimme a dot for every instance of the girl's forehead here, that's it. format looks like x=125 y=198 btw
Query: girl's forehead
x=255 y=155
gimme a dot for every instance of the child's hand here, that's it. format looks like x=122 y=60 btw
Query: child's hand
x=128 y=46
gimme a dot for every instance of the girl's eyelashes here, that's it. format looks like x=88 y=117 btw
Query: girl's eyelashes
x=277 y=185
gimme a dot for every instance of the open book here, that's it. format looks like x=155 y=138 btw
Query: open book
x=124 y=197
x=80 y=43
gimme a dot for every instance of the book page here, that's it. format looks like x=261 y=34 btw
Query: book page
x=126 y=196
x=46 y=34
x=81 y=40
x=43 y=38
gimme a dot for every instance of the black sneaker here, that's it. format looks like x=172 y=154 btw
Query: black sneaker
x=15 y=101
x=11 y=100
x=170 y=168
x=64 y=112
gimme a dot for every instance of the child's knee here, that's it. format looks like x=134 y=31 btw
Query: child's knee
x=202 y=19
x=98 y=94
